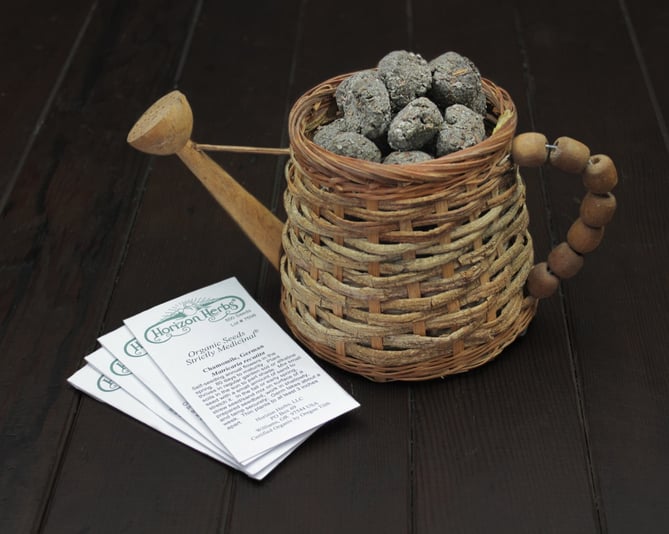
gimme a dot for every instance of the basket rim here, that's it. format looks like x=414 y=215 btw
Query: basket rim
x=319 y=101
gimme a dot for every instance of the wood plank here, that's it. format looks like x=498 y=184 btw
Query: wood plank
x=121 y=476
x=352 y=474
x=355 y=473
x=565 y=432
x=36 y=41
x=64 y=234
x=235 y=78
x=197 y=219
x=500 y=449
x=645 y=23
x=617 y=305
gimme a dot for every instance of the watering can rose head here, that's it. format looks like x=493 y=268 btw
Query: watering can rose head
x=165 y=127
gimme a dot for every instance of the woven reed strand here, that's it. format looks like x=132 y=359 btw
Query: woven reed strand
x=404 y=272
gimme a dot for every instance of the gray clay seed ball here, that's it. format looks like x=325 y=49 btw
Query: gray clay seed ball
x=354 y=145
x=456 y=80
x=457 y=113
x=324 y=134
x=406 y=76
x=461 y=128
x=365 y=103
x=406 y=85
x=340 y=93
x=415 y=125
x=410 y=156
x=480 y=104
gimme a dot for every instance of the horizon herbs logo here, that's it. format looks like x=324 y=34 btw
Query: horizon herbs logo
x=107 y=385
x=180 y=319
x=134 y=349
x=119 y=369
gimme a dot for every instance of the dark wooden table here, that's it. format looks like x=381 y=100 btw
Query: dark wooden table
x=567 y=431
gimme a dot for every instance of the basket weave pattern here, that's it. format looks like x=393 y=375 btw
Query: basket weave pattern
x=405 y=272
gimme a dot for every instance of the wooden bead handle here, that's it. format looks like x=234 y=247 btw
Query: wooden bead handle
x=597 y=207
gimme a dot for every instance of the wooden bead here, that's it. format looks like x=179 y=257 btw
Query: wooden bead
x=600 y=175
x=564 y=262
x=583 y=238
x=541 y=283
x=597 y=210
x=529 y=149
x=569 y=155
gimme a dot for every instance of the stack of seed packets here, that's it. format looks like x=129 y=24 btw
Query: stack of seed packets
x=213 y=370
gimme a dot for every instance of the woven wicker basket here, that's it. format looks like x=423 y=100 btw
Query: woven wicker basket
x=401 y=272
x=405 y=272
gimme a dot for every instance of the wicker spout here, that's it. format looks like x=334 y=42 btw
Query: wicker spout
x=405 y=272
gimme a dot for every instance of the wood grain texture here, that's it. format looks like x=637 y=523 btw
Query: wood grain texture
x=35 y=54
x=618 y=304
x=508 y=434
x=64 y=234
x=566 y=431
x=172 y=251
x=329 y=475
x=114 y=478
x=645 y=23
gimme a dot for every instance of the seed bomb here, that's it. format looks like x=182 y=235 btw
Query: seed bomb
x=414 y=125
x=456 y=80
x=354 y=145
x=406 y=75
x=404 y=157
x=365 y=103
x=461 y=128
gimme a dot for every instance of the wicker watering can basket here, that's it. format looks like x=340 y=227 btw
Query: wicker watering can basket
x=402 y=272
